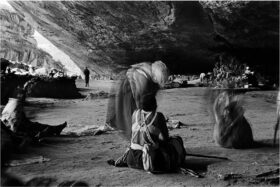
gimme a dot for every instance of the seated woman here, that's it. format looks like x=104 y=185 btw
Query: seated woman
x=231 y=130
x=141 y=79
x=151 y=148
x=14 y=118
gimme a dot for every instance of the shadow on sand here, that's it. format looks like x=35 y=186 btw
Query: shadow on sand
x=200 y=164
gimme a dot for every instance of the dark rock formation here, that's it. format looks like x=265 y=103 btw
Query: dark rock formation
x=17 y=42
x=62 y=87
x=245 y=24
x=109 y=36
x=112 y=35
x=248 y=30
x=9 y=83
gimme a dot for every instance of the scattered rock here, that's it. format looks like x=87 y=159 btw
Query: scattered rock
x=91 y=131
x=98 y=95
x=173 y=124
x=32 y=160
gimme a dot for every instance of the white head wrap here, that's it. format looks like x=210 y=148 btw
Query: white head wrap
x=159 y=72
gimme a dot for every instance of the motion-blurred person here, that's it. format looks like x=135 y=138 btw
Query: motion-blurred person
x=86 y=72
x=231 y=130
x=141 y=79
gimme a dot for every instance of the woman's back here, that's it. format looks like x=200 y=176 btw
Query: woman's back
x=148 y=128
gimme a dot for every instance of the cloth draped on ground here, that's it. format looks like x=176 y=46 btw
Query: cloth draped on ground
x=136 y=83
x=167 y=158
x=14 y=118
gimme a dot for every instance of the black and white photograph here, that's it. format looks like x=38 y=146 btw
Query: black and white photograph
x=139 y=93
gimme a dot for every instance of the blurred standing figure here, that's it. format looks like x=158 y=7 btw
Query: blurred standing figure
x=86 y=72
x=140 y=80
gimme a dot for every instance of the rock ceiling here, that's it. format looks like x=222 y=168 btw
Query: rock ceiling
x=109 y=36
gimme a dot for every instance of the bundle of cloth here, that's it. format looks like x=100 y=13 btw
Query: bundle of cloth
x=14 y=118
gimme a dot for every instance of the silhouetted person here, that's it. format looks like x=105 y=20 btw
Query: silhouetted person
x=4 y=64
x=86 y=72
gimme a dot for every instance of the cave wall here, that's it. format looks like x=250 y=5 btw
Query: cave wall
x=187 y=36
x=17 y=42
x=109 y=36
x=248 y=30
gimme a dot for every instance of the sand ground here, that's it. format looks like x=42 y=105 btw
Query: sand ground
x=84 y=158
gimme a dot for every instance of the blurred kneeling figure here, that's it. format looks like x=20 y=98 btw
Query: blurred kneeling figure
x=231 y=129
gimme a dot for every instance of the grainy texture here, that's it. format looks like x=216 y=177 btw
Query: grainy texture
x=85 y=157
x=108 y=36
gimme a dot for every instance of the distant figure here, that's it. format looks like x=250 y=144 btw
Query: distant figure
x=86 y=72
x=231 y=130
x=140 y=80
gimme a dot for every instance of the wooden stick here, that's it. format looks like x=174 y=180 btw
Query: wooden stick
x=206 y=156
x=191 y=172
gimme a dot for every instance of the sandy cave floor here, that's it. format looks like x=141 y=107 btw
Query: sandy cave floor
x=84 y=158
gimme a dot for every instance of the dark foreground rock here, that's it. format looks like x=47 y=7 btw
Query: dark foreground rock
x=40 y=86
x=9 y=83
x=61 y=87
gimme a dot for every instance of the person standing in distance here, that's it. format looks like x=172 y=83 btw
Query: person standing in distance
x=86 y=73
